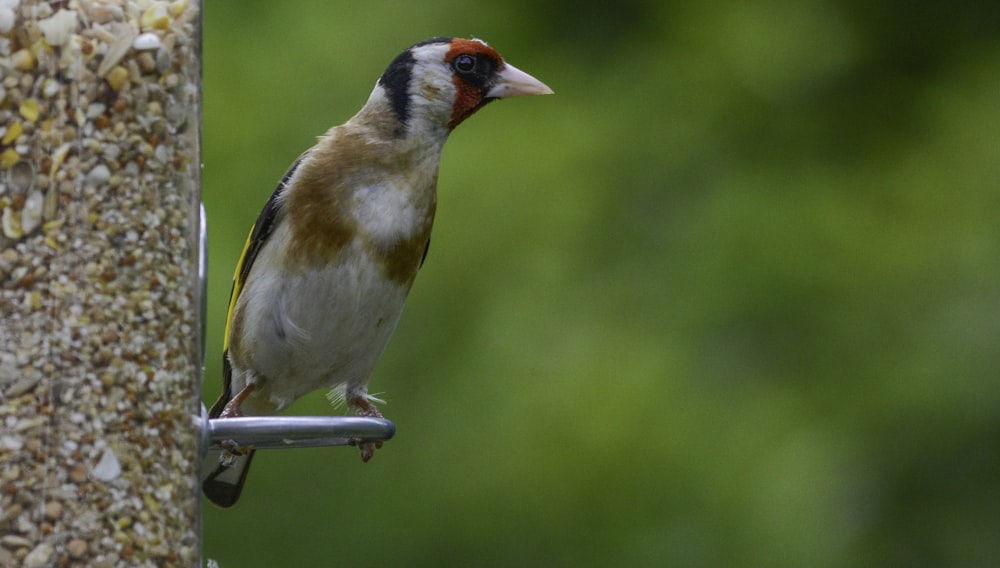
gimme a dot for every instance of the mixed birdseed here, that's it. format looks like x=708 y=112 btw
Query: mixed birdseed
x=99 y=365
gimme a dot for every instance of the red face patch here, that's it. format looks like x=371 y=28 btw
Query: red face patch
x=470 y=47
x=471 y=87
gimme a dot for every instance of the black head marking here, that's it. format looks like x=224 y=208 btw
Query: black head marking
x=396 y=81
x=396 y=78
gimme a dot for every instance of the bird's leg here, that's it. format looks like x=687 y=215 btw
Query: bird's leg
x=233 y=410
x=363 y=407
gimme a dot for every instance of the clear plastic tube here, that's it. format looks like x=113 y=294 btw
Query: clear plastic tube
x=99 y=348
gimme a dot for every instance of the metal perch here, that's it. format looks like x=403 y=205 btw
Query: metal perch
x=284 y=432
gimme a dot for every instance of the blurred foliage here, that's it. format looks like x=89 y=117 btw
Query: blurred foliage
x=730 y=297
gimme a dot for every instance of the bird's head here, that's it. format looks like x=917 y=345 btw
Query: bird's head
x=437 y=83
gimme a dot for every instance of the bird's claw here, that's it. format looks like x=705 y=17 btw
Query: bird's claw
x=231 y=451
x=367 y=448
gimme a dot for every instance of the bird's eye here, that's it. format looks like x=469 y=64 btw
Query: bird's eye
x=465 y=64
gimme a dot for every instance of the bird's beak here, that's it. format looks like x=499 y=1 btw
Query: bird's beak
x=512 y=82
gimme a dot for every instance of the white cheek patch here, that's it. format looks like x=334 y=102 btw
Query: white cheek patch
x=432 y=90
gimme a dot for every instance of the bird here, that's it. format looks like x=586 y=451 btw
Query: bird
x=327 y=266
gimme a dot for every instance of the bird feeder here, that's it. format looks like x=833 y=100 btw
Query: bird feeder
x=100 y=362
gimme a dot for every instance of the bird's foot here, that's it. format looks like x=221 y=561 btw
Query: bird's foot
x=230 y=451
x=233 y=409
x=367 y=448
x=364 y=408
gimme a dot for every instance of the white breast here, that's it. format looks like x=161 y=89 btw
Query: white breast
x=388 y=213
x=312 y=329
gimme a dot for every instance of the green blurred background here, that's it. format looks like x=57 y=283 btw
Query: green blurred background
x=729 y=298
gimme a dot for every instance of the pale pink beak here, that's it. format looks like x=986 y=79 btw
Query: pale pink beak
x=516 y=83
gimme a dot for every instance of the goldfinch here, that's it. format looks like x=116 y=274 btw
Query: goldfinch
x=327 y=267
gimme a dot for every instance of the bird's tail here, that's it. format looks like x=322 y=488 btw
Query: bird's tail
x=227 y=474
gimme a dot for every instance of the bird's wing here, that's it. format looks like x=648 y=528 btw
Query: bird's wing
x=427 y=248
x=259 y=234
